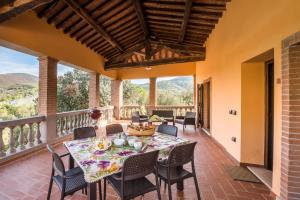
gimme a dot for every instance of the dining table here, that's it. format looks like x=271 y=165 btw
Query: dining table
x=97 y=164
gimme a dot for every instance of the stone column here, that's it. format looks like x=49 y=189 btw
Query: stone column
x=94 y=92
x=152 y=95
x=117 y=97
x=47 y=97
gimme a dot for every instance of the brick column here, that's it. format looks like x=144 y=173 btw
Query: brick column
x=47 y=96
x=94 y=92
x=117 y=97
x=290 y=141
x=152 y=92
x=195 y=91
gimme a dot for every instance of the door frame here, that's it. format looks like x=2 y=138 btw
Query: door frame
x=267 y=165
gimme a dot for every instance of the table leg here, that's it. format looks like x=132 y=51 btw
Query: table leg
x=180 y=184
x=71 y=162
x=92 y=191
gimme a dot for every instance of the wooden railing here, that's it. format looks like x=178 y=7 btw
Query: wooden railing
x=126 y=111
x=22 y=134
x=18 y=135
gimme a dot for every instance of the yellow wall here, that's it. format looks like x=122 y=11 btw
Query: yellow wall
x=253 y=113
x=29 y=32
x=179 y=69
x=247 y=29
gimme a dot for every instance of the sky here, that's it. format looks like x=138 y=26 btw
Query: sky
x=12 y=61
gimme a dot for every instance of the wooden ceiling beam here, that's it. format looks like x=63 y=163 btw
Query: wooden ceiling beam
x=89 y=20
x=60 y=24
x=52 y=17
x=109 y=66
x=47 y=8
x=187 y=13
x=140 y=14
x=69 y=28
x=161 y=5
x=8 y=11
x=181 y=47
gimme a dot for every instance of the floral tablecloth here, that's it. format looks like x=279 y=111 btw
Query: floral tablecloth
x=97 y=164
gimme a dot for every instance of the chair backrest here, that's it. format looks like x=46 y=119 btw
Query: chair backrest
x=84 y=132
x=181 y=154
x=113 y=129
x=57 y=164
x=139 y=165
x=136 y=113
x=167 y=129
x=163 y=113
x=190 y=115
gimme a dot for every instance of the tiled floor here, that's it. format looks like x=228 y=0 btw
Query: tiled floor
x=28 y=178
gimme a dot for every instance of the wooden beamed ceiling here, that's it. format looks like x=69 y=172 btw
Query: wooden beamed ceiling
x=131 y=33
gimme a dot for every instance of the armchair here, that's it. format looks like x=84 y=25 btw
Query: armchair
x=188 y=119
x=137 y=118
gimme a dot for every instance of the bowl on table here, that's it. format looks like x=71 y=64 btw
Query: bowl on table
x=138 y=145
x=119 y=141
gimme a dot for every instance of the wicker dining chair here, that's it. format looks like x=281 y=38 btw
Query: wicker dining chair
x=172 y=171
x=167 y=129
x=132 y=181
x=68 y=182
x=113 y=129
x=84 y=132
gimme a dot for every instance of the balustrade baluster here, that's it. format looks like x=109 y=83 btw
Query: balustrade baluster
x=38 y=134
x=75 y=121
x=2 y=152
x=65 y=125
x=21 y=138
x=30 y=136
x=61 y=127
x=71 y=124
x=11 y=148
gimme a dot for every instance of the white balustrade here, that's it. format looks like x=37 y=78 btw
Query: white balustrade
x=127 y=111
x=68 y=121
x=18 y=135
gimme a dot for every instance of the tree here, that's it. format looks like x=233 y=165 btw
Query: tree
x=72 y=91
x=134 y=94
x=105 y=91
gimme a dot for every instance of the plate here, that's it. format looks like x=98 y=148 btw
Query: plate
x=102 y=146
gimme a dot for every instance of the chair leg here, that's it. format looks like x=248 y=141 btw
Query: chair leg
x=50 y=188
x=169 y=190
x=104 y=195
x=158 y=188
x=100 y=189
x=197 y=187
x=62 y=195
